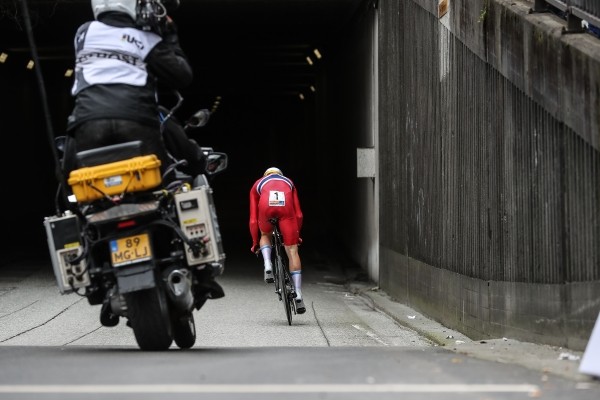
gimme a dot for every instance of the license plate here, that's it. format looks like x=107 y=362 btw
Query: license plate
x=130 y=250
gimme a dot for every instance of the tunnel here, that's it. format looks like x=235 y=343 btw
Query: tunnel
x=269 y=70
x=483 y=144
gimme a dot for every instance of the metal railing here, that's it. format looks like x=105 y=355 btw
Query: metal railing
x=575 y=11
x=589 y=6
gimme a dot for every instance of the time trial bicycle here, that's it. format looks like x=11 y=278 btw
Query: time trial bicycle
x=284 y=286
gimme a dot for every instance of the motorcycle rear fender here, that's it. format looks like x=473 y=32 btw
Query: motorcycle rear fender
x=136 y=277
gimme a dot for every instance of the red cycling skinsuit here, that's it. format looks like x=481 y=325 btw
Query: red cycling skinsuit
x=275 y=196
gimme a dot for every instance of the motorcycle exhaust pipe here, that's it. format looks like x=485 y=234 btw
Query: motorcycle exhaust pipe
x=180 y=289
x=117 y=303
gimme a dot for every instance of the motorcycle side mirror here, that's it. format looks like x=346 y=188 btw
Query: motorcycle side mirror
x=216 y=162
x=59 y=142
x=200 y=118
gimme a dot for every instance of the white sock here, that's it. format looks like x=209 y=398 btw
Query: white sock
x=266 y=253
x=297 y=278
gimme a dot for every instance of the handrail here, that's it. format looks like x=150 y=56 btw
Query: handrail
x=576 y=11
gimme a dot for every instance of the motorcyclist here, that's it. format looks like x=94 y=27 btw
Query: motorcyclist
x=120 y=59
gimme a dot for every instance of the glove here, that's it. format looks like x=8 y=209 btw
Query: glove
x=169 y=31
x=169 y=27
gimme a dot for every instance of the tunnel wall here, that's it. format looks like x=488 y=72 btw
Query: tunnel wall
x=347 y=120
x=489 y=169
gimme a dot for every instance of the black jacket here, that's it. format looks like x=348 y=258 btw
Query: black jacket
x=106 y=99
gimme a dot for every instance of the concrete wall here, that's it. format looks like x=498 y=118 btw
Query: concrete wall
x=488 y=153
x=349 y=111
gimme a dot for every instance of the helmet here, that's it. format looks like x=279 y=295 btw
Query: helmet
x=125 y=6
x=272 y=170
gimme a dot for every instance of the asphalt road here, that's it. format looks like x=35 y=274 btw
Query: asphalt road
x=352 y=343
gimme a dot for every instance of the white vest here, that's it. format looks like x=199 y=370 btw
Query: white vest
x=106 y=54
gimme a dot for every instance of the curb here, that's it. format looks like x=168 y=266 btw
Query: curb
x=548 y=360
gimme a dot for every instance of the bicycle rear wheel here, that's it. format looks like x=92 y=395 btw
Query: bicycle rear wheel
x=284 y=283
x=276 y=275
x=291 y=294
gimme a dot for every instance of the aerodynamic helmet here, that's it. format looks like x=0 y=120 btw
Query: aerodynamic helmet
x=272 y=170
x=128 y=7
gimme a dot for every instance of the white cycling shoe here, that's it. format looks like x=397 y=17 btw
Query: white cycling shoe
x=300 y=308
x=269 y=276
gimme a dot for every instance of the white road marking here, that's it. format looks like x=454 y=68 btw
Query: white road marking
x=370 y=334
x=279 y=388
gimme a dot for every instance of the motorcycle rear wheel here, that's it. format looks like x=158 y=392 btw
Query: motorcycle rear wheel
x=184 y=330
x=148 y=313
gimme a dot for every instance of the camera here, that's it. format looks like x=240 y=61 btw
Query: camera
x=152 y=14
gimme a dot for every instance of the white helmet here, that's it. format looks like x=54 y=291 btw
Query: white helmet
x=125 y=6
x=272 y=170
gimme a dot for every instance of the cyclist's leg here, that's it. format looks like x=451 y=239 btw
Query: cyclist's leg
x=265 y=248
x=295 y=265
x=296 y=274
x=266 y=233
x=291 y=239
x=294 y=258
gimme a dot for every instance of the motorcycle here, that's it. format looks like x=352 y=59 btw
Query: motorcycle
x=146 y=248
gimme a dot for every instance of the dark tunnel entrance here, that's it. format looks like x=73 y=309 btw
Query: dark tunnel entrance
x=249 y=55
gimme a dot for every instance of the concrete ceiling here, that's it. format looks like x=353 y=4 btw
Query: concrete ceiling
x=234 y=45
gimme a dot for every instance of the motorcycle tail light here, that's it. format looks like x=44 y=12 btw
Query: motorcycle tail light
x=126 y=224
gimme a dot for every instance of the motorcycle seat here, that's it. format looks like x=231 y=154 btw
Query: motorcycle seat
x=109 y=154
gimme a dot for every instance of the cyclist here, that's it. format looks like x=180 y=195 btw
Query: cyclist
x=275 y=195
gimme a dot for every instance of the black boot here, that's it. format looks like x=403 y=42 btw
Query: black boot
x=215 y=290
x=209 y=289
x=107 y=318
